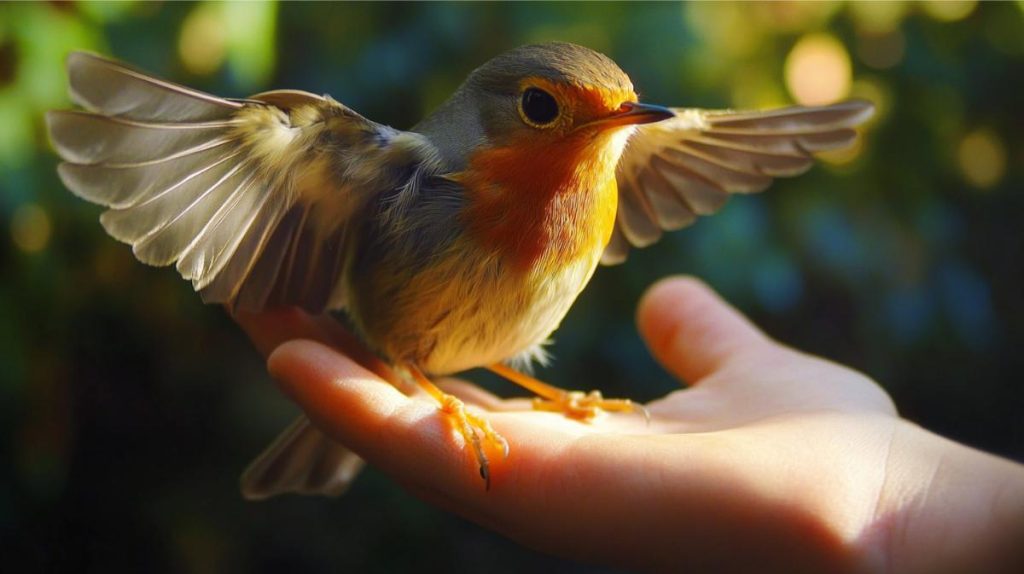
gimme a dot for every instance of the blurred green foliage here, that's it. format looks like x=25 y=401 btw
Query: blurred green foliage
x=127 y=408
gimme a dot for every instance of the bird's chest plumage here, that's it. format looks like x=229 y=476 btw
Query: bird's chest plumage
x=526 y=242
x=541 y=206
x=488 y=312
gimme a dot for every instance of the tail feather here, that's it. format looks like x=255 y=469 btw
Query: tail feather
x=301 y=460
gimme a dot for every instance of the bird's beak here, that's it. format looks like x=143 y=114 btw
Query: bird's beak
x=632 y=113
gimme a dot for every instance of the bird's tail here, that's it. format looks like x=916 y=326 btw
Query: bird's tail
x=301 y=460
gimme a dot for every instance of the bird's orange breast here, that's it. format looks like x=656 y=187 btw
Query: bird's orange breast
x=542 y=203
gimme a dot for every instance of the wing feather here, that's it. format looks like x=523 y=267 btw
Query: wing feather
x=686 y=166
x=88 y=138
x=670 y=212
x=120 y=187
x=753 y=160
x=795 y=144
x=221 y=234
x=634 y=218
x=133 y=224
x=701 y=195
x=239 y=280
x=794 y=119
x=731 y=178
x=252 y=199
x=113 y=89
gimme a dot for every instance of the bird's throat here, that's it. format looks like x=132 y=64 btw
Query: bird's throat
x=543 y=205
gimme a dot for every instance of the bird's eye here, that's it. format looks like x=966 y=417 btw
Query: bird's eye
x=538 y=107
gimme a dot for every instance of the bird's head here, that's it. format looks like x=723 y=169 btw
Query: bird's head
x=535 y=135
x=553 y=98
x=544 y=93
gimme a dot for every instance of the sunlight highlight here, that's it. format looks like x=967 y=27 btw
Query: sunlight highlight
x=202 y=45
x=877 y=17
x=818 y=70
x=949 y=10
x=982 y=158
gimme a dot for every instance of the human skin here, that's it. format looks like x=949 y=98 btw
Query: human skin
x=771 y=461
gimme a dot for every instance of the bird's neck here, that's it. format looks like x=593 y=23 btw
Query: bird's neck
x=544 y=205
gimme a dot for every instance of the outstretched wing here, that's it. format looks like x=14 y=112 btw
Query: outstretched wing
x=253 y=199
x=675 y=170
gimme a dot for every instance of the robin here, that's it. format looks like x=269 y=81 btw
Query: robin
x=460 y=243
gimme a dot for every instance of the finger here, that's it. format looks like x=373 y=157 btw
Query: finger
x=271 y=328
x=691 y=330
x=344 y=400
x=352 y=405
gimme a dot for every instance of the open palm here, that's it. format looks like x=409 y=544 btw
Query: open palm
x=769 y=454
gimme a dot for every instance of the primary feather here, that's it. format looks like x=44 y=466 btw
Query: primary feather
x=253 y=200
x=675 y=170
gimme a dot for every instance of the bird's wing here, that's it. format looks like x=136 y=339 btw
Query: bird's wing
x=255 y=200
x=675 y=170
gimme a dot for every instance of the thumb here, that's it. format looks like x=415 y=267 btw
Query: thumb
x=691 y=330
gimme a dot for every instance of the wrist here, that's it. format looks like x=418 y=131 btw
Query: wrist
x=946 y=507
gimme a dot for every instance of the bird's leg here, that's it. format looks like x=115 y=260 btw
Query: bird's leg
x=574 y=404
x=476 y=430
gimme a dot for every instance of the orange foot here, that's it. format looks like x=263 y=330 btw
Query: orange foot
x=476 y=430
x=574 y=404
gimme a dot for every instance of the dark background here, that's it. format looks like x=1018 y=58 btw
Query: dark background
x=128 y=409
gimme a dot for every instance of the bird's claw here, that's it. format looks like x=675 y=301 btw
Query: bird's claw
x=585 y=406
x=477 y=432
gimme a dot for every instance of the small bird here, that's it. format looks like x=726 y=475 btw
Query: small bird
x=459 y=243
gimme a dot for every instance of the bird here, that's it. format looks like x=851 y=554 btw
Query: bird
x=461 y=242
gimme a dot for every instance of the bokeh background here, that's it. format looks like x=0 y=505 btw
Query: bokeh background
x=128 y=408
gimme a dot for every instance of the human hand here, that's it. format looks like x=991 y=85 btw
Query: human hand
x=773 y=460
